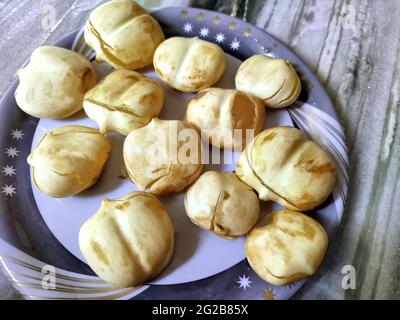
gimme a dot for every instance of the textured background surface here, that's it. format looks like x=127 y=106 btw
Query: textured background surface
x=353 y=46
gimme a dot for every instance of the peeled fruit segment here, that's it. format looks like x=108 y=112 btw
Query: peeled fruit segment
x=123 y=34
x=164 y=156
x=273 y=80
x=286 y=246
x=284 y=166
x=68 y=160
x=123 y=101
x=223 y=204
x=189 y=64
x=226 y=118
x=129 y=241
x=54 y=82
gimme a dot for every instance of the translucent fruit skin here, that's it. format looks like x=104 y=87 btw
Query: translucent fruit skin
x=286 y=246
x=123 y=101
x=68 y=160
x=223 y=204
x=225 y=116
x=54 y=82
x=189 y=64
x=274 y=81
x=284 y=166
x=157 y=162
x=129 y=241
x=123 y=34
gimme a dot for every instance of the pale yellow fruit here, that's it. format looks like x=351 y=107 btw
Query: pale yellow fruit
x=286 y=246
x=123 y=34
x=189 y=64
x=54 y=82
x=275 y=81
x=226 y=118
x=125 y=100
x=223 y=204
x=283 y=165
x=68 y=160
x=164 y=156
x=129 y=241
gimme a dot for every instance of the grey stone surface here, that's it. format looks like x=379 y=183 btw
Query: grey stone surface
x=353 y=46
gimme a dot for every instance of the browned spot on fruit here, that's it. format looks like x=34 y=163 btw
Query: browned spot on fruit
x=99 y=252
x=306 y=197
x=268 y=137
x=309 y=166
x=301 y=228
x=147 y=26
x=307 y=232
x=219 y=227
x=121 y=205
x=304 y=163
x=148 y=99
x=303 y=200
x=278 y=244
x=226 y=195
x=321 y=169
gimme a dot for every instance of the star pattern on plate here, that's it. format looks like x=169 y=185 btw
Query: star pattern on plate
x=235 y=44
x=9 y=170
x=269 y=294
x=200 y=16
x=17 y=134
x=232 y=25
x=187 y=27
x=204 y=31
x=216 y=20
x=247 y=32
x=12 y=152
x=8 y=190
x=244 y=282
x=220 y=37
